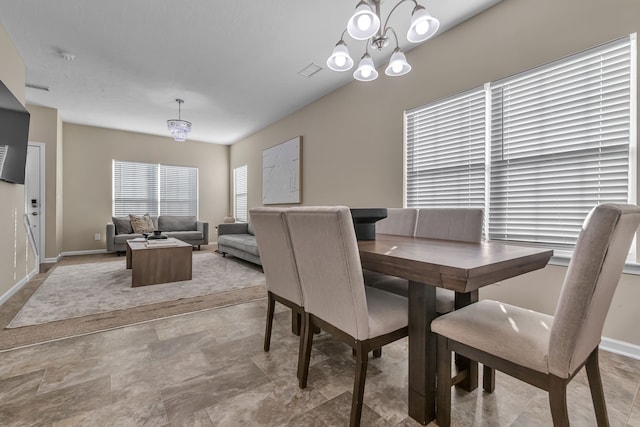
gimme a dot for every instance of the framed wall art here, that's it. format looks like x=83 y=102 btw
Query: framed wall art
x=281 y=166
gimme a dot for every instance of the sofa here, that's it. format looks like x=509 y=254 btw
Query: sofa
x=237 y=239
x=185 y=228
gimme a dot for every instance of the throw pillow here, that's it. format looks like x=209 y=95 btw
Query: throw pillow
x=141 y=224
x=123 y=225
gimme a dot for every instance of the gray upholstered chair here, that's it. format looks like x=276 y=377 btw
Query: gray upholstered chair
x=335 y=298
x=542 y=350
x=279 y=266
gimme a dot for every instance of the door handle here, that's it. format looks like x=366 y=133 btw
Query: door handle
x=34 y=213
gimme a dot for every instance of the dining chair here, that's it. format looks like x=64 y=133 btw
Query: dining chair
x=334 y=295
x=542 y=350
x=279 y=266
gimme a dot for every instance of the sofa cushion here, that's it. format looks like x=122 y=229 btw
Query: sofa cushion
x=177 y=223
x=250 y=229
x=185 y=235
x=122 y=224
x=244 y=242
x=142 y=224
x=122 y=238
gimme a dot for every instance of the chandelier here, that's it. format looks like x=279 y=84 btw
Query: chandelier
x=364 y=24
x=179 y=128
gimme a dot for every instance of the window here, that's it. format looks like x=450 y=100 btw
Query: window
x=537 y=150
x=240 y=193
x=140 y=188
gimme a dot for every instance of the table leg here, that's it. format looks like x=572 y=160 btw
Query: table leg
x=128 y=257
x=470 y=383
x=422 y=352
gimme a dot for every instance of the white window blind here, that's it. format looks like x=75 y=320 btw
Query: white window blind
x=240 y=193
x=560 y=138
x=445 y=157
x=135 y=188
x=140 y=188
x=178 y=190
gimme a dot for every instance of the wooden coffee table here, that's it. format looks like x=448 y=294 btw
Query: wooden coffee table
x=153 y=263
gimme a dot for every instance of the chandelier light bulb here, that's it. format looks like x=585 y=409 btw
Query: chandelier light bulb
x=398 y=65
x=366 y=71
x=340 y=60
x=364 y=23
x=423 y=25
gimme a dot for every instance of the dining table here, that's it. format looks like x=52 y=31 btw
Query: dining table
x=459 y=266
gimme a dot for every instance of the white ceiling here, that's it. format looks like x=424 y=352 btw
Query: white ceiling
x=234 y=63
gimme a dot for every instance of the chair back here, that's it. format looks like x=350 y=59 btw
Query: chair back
x=399 y=221
x=589 y=285
x=459 y=224
x=276 y=253
x=326 y=251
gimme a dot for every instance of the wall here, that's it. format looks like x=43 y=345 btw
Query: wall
x=46 y=127
x=87 y=177
x=16 y=258
x=353 y=137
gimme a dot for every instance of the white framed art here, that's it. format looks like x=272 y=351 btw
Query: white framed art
x=281 y=173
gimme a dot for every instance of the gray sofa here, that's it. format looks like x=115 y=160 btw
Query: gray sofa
x=185 y=228
x=238 y=240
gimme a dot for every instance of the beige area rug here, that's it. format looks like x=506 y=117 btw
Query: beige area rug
x=83 y=298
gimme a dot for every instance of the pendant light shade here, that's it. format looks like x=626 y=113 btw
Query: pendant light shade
x=366 y=71
x=398 y=65
x=364 y=23
x=340 y=60
x=423 y=25
x=179 y=128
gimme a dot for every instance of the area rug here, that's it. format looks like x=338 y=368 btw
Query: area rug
x=82 y=298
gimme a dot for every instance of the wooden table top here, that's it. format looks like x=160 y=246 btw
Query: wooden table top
x=169 y=242
x=459 y=266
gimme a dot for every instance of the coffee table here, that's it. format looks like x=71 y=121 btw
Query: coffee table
x=162 y=261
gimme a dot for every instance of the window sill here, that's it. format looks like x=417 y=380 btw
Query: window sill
x=563 y=261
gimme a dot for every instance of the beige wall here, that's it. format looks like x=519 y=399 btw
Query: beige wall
x=353 y=137
x=46 y=127
x=88 y=153
x=16 y=258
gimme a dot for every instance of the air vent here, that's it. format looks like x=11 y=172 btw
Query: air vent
x=310 y=70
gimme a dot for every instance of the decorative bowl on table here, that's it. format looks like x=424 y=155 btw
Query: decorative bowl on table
x=157 y=234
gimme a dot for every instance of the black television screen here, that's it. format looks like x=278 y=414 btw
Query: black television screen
x=14 y=137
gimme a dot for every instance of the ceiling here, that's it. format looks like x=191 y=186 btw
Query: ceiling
x=234 y=63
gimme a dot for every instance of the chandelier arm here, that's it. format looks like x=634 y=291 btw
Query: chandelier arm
x=394 y=34
x=391 y=13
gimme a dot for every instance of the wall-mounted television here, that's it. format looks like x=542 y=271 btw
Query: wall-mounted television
x=14 y=137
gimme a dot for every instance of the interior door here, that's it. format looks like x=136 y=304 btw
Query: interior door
x=33 y=195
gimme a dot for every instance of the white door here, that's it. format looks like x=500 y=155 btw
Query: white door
x=33 y=196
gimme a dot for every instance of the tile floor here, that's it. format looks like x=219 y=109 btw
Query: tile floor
x=208 y=369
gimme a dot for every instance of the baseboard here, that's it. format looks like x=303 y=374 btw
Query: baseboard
x=52 y=260
x=89 y=252
x=620 y=347
x=15 y=288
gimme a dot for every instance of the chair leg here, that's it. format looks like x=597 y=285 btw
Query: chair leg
x=597 y=392
x=443 y=397
x=271 y=305
x=558 y=401
x=488 y=379
x=296 y=320
x=301 y=347
x=305 y=354
x=362 y=357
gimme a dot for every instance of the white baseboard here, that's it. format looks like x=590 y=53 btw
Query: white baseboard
x=15 y=288
x=89 y=252
x=620 y=347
